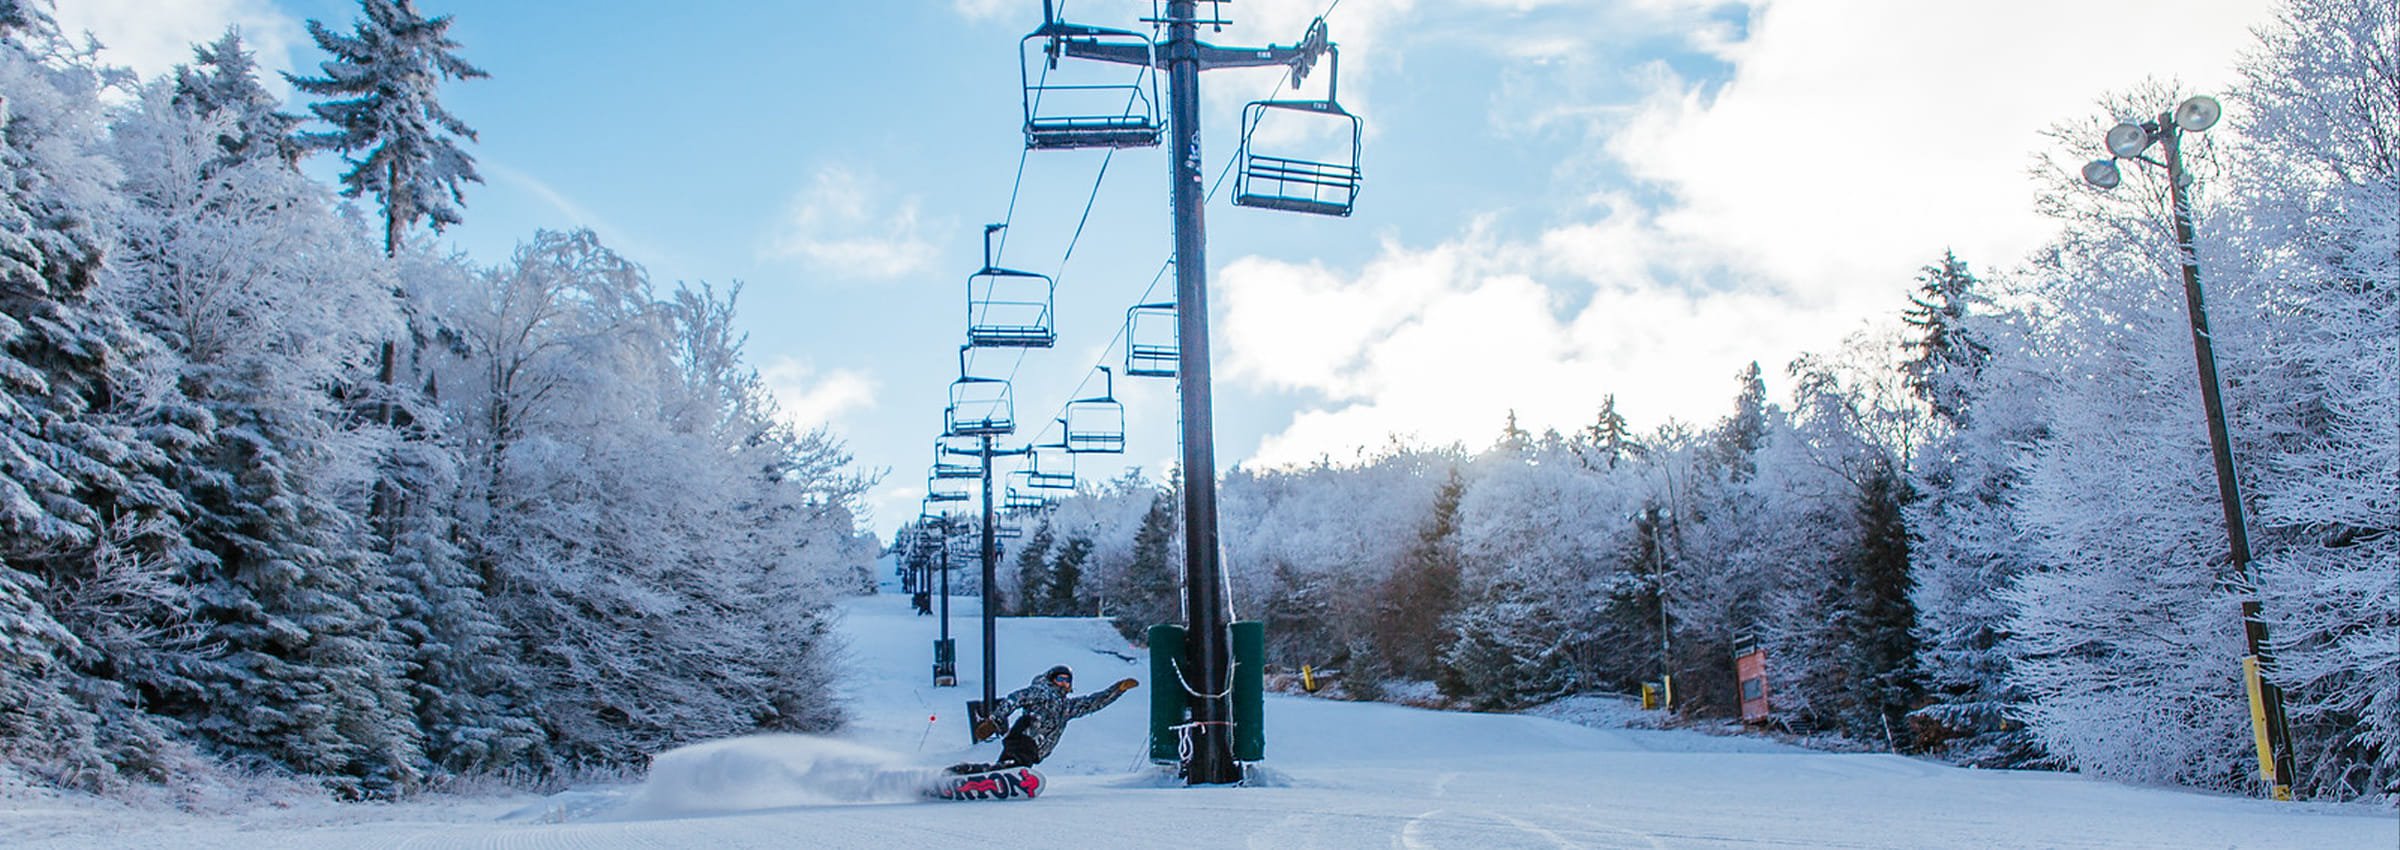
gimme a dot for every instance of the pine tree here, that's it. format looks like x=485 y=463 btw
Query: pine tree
x=1742 y=434
x=89 y=551
x=381 y=81
x=1034 y=585
x=1609 y=437
x=1879 y=650
x=1422 y=591
x=1946 y=356
x=1150 y=588
x=296 y=594
x=223 y=80
x=1066 y=576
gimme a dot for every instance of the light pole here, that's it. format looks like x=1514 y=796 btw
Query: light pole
x=2130 y=140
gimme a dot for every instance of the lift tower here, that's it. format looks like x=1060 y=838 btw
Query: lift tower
x=1208 y=679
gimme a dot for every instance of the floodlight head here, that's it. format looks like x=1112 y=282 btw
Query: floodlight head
x=2198 y=113
x=2128 y=139
x=2102 y=173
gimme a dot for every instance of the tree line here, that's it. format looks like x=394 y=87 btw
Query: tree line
x=283 y=492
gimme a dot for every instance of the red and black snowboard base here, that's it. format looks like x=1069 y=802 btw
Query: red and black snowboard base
x=1011 y=783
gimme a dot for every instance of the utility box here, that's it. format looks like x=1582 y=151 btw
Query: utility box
x=945 y=663
x=1750 y=669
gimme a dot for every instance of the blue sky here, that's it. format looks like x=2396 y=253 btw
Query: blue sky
x=1563 y=198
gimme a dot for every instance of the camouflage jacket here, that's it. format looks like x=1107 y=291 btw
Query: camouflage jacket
x=1046 y=711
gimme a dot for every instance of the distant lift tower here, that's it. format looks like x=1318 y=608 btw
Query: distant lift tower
x=1314 y=185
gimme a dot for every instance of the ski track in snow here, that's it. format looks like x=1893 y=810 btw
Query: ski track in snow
x=1339 y=775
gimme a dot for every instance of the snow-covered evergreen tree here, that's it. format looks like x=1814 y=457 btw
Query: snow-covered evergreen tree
x=1150 y=590
x=89 y=549
x=311 y=677
x=1966 y=549
x=382 y=80
x=1033 y=572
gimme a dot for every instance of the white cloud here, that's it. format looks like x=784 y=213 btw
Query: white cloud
x=1438 y=344
x=844 y=223
x=1857 y=140
x=152 y=37
x=808 y=397
x=1854 y=142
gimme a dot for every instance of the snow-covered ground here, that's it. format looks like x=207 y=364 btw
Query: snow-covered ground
x=1338 y=775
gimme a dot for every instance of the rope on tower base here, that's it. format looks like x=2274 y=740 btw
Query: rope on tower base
x=1183 y=737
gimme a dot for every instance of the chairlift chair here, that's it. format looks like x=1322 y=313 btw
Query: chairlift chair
x=1017 y=500
x=946 y=462
x=1150 y=340
x=945 y=490
x=1096 y=425
x=1094 y=107
x=1007 y=308
x=1319 y=181
x=1050 y=468
x=980 y=406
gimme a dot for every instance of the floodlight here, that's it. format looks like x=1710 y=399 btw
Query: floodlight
x=2128 y=139
x=2198 y=113
x=2102 y=173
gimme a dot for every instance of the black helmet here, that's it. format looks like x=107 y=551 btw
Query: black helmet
x=1059 y=672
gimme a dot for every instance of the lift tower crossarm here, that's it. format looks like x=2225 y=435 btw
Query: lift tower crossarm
x=1300 y=57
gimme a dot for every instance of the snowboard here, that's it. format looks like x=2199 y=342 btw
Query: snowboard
x=1010 y=783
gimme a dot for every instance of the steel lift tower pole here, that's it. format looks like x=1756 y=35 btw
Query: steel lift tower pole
x=1207 y=662
x=991 y=558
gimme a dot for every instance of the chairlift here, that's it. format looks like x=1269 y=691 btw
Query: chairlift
x=1096 y=425
x=1150 y=340
x=1051 y=467
x=1090 y=104
x=945 y=490
x=1007 y=308
x=980 y=406
x=946 y=454
x=1018 y=500
x=1320 y=179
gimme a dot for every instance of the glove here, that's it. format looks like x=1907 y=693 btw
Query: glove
x=1124 y=685
x=987 y=729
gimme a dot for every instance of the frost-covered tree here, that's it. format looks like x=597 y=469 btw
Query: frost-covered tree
x=2126 y=634
x=660 y=545
x=2320 y=109
x=295 y=594
x=383 y=103
x=223 y=80
x=1966 y=545
x=89 y=554
x=1942 y=357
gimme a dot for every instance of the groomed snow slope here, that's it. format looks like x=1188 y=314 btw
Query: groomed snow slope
x=1339 y=775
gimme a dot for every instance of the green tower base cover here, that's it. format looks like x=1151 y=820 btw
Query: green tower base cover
x=1249 y=690
x=1167 y=708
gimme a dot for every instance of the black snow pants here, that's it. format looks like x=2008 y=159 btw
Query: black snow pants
x=1016 y=750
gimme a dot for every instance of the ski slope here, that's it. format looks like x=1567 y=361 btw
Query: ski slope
x=1338 y=775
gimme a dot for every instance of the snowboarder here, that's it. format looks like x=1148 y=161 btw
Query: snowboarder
x=1043 y=709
